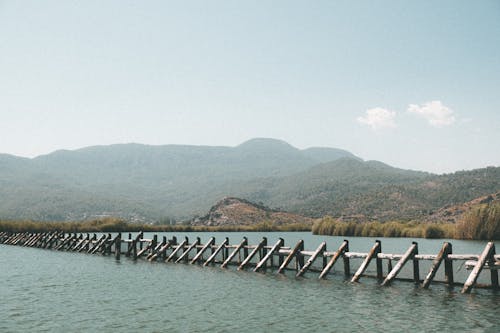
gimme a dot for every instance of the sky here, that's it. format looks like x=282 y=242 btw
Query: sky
x=415 y=84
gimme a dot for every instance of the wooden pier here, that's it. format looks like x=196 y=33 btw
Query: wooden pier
x=276 y=257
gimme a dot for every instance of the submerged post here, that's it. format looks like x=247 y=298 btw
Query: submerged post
x=373 y=253
x=485 y=256
x=118 y=246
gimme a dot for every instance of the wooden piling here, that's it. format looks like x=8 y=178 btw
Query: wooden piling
x=177 y=249
x=269 y=254
x=208 y=245
x=394 y=272
x=243 y=244
x=185 y=254
x=340 y=252
x=118 y=246
x=372 y=254
x=214 y=253
x=485 y=256
x=291 y=255
x=253 y=253
x=435 y=265
x=319 y=250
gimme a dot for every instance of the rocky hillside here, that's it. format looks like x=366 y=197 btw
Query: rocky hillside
x=453 y=213
x=235 y=211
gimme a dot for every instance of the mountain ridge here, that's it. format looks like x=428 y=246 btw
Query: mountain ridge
x=151 y=183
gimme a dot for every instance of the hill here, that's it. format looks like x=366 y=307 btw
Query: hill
x=142 y=182
x=160 y=183
x=234 y=211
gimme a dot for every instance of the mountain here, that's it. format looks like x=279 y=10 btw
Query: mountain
x=142 y=182
x=151 y=183
x=236 y=211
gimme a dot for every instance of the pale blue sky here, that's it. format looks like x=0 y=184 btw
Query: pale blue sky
x=80 y=73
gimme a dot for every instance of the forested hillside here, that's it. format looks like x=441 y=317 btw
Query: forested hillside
x=163 y=183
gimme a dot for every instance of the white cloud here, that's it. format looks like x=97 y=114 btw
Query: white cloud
x=434 y=112
x=378 y=118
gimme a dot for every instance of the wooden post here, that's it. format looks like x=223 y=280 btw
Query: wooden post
x=134 y=249
x=269 y=254
x=198 y=255
x=118 y=246
x=243 y=244
x=214 y=253
x=340 y=252
x=253 y=253
x=347 y=266
x=185 y=254
x=299 y=263
x=416 y=268
x=448 y=266
x=321 y=248
x=380 y=273
x=410 y=253
x=435 y=265
x=291 y=255
x=263 y=251
x=485 y=256
x=177 y=249
x=373 y=253
x=162 y=251
x=493 y=271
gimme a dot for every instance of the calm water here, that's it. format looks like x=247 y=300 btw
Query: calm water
x=48 y=291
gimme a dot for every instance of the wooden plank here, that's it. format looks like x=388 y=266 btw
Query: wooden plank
x=161 y=251
x=253 y=253
x=177 y=249
x=364 y=265
x=243 y=243
x=319 y=250
x=185 y=254
x=486 y=255
x=208 y=245
x=214 y=254
x=435 y=265
x=291 y=255
x=394 y=272
x=94 y=248
x=144 y=249
x=268 y=255
x=334 y=259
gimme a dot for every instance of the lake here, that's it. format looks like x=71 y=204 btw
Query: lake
x=51 y=291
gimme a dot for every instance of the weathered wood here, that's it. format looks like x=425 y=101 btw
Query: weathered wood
x=269 y=254
x=161 y=251
x=493 y=272
x=334 y=259
x=319 y=250
x=435 y=265
x=118 y=246
x=208 y=245
x=373 y=253
x=144 y=249
x=185 y=254
x=177 y=249
x=291 y=255
x=253 y=253
x=416 y=268
x=243 y=243
x=487 y=254
x=394 y=272
x=214 y=254
x=133 y=245
x=93 y=249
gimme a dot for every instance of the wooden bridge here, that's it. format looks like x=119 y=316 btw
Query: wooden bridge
x=262 y=255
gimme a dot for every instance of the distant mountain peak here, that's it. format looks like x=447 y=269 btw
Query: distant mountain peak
x=265 y=143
